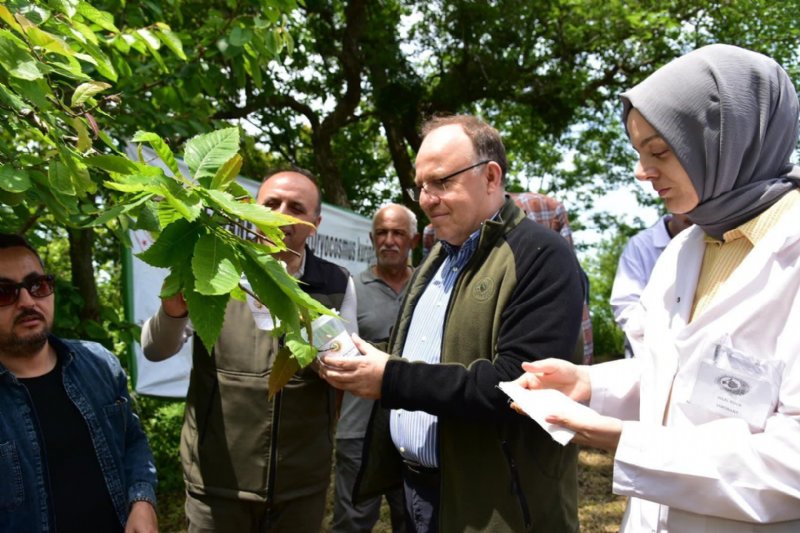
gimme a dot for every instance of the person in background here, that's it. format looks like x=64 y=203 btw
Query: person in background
x=704 y=423
x=636 y=263
x=73 y=456
x=379 y=290
x=496 y=290
x=251 y=464
x=428 y=240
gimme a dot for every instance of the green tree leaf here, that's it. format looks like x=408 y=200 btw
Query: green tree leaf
x=170 y=39
x=238 y=294
x=149 y=38
x=265 y=219
x=227 y=173
x=99 y=59
x=301 y=350
x=152 y=44
x=173 y=246
x=238 y=192
x=84 y=141
x=49 y=42
x=11 y=99
x=84 y=91
x=38 y=93
x=84 y=33
x=161 y=148
x=166 y=214
x=208 y=314
x=113 y=163
x=141 y=182
x=78 y=172
x=239 y=36
x=205 y=154
x=110 y=214
x=70 y=70
x=270 y=294
x=11 y=198
x=102 y=18
x=16 y=60
x=60 y=178
x=13 y=179
x=215 y=266
x=145 y=218
x=9 y=19
x=185 y=202
x=286 y=283
x=173 y=283
x=68 y=7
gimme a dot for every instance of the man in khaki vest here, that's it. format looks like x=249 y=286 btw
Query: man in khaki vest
x=253 y=465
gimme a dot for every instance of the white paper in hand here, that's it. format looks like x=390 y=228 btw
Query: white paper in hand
x=541 y=403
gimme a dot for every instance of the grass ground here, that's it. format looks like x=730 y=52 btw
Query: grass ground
x=600 y=511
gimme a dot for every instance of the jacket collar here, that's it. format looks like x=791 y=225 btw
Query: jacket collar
x=313 y=275
x=491 y=230
x=509 y=216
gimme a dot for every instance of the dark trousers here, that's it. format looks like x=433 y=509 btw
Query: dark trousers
x=422 y=490
x=351 y=518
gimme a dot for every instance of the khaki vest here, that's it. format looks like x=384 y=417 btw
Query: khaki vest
x=236 y=443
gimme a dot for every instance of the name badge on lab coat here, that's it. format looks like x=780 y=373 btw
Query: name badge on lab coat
x=733 y=385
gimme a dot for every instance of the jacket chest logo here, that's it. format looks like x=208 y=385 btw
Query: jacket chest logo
x=483 y=290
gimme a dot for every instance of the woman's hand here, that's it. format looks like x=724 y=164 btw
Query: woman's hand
x=572 y=380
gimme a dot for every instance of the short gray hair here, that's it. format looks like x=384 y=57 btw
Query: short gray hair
x=412 y=217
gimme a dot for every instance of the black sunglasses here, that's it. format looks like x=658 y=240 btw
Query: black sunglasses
x=38 y=286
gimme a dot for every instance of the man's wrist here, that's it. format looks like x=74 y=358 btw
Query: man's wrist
x=141 y=492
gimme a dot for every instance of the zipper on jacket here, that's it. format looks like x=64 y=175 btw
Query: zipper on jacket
x=516 y=486
x=273 y=446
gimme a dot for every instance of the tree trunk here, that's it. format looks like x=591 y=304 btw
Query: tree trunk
x=81 y=255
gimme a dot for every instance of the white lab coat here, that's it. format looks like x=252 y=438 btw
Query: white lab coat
x=687 y=469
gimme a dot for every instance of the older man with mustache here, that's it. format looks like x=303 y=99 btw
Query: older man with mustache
x=380 y=290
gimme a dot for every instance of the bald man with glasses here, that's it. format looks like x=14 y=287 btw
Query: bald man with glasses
x=497 y=290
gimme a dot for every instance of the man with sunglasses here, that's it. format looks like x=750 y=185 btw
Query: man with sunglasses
x=73 y=456
x=497 y=290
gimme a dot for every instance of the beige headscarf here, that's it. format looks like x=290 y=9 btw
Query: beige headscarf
x=731 y=117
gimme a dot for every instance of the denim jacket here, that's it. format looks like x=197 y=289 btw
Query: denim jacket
x=97 y=385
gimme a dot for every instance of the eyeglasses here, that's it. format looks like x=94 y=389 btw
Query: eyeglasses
x=38 y=286
x=439 y=187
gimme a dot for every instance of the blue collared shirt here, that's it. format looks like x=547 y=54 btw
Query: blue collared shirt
x=414 y=433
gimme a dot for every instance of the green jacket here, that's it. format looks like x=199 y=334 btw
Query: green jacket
x=519 y=298
x=236 y=443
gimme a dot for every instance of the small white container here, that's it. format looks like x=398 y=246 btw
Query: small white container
x=331 y=337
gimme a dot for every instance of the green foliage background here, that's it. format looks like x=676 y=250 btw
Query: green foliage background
x=339 y=87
